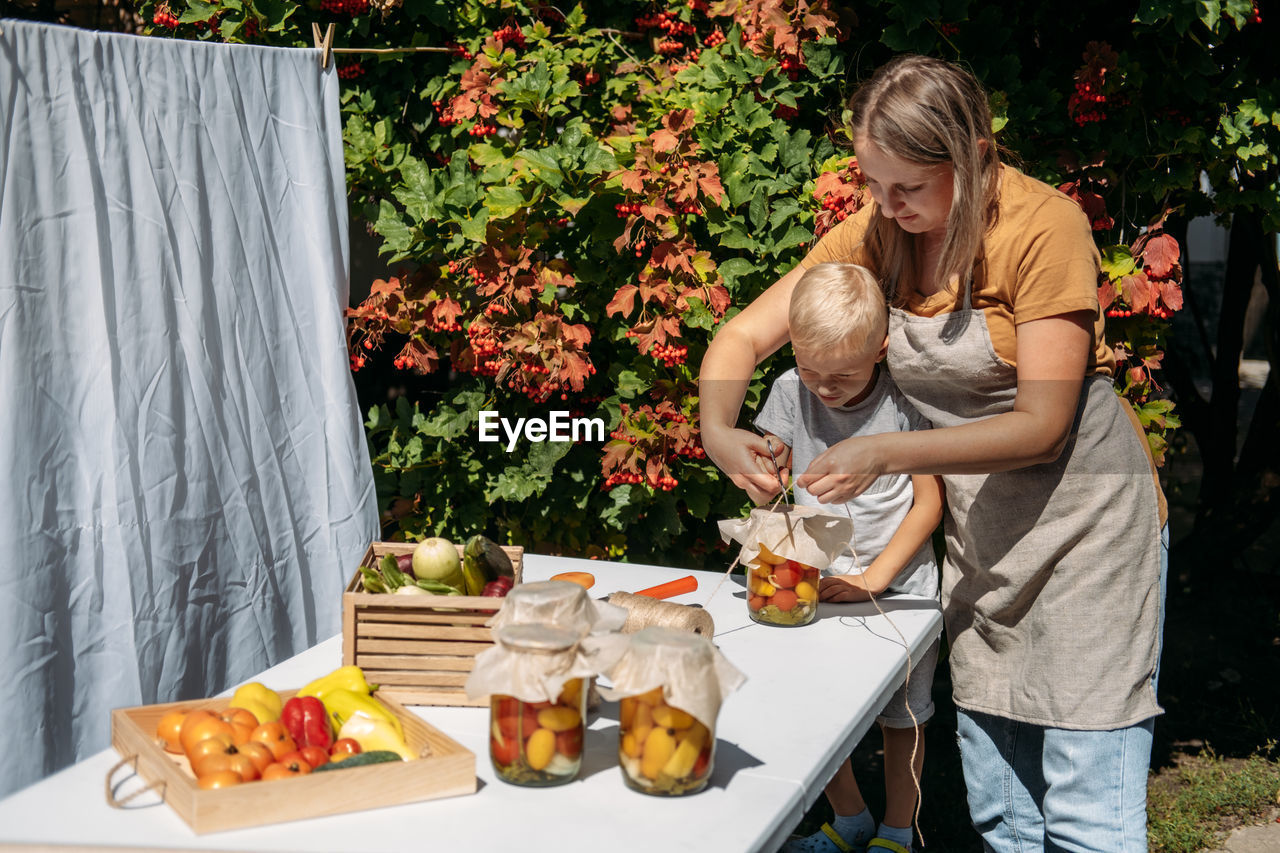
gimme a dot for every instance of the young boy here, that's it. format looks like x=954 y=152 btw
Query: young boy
x=839 y=388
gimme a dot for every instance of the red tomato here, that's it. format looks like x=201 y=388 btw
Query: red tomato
x=314 y=755
x=344 y=746
x=755 y=602
x=504 y=752
x=569 y=744
x=275 y=736
x=787 y=576
x=784 y=599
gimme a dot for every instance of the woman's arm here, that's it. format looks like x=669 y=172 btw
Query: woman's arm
x=1051 y=356
x=746 y=340
x=916 y=528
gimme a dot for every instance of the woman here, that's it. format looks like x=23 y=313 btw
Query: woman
x=1052 y=584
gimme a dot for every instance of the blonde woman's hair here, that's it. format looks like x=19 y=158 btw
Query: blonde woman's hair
x=930 y=112
x=838 y=307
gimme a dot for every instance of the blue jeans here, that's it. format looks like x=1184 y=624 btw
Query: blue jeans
x=1034 y=789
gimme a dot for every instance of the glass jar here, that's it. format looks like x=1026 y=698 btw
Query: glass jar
x=538 y=743
x=662 y=749
x=781 y=591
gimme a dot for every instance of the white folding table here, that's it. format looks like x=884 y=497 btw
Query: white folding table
x=812 y=692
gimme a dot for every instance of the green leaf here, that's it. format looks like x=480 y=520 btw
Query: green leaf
x=759 y=211
x=503 y=202
x=1117 y=262
x=797 y=235
x=396 y=236
x=473 y=228
x=452 y=421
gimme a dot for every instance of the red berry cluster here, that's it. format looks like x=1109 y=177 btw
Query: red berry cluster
x=350 y=70
x=403 y=362
x=669 y=46
x=481 y=129
x=485 y=346
x=591 y=77
x=622 y=478
x=1256 y=16
x=510 y=35
x=459 y=50
x=667 y=21
x=345 y=7
x=443 y=115
x=948 y=29
x=838 y=205
x=669 y=354
x=715 y=39
x=1085 y=104
x=699 y=5
x=164 y=17
x=627 y=208
x=690 y=207
x=496 y=308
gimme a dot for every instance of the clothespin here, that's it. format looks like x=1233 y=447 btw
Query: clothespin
x=324 y=45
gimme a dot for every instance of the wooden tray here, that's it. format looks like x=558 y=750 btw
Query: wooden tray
x=418 y=649
x=446 y=769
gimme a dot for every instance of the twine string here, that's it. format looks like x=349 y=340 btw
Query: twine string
x=906 y=685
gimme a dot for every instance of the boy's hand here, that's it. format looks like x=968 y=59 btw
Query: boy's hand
x=842 y=588
x=782 y=456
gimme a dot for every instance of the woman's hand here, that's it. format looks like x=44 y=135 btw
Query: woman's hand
x=843 y=471
x=744 y=456
x=842 y=588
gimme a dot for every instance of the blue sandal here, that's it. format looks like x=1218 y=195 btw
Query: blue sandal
x=827 y=840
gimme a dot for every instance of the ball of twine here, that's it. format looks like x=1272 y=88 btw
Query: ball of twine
x=643 y=611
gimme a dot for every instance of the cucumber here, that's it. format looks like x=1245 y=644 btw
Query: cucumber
x=376 y=756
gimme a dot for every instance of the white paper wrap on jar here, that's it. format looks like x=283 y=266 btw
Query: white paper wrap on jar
x=695 y=677
x=559 y=603
x=805 y=534
x=532 y=663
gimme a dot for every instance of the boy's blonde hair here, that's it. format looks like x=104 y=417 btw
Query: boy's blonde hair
x=930 y=112
x=838 y=307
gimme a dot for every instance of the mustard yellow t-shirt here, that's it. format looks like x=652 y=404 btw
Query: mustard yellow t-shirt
x=1038 y=260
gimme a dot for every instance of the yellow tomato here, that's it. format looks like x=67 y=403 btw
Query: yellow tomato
x=805 y=592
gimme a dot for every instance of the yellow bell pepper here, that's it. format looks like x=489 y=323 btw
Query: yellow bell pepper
x=342 y=704
x=375 y=733
x=343 y=678
x=260 y=700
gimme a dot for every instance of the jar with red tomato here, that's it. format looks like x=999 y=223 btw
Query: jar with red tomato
x=781 y=591
x=537 y=709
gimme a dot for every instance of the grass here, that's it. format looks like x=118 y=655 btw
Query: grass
x=1194 y=807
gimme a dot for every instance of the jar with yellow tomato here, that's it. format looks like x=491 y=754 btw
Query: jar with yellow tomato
x=669 y=684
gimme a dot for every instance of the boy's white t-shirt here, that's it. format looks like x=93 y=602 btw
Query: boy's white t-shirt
x=796 y=415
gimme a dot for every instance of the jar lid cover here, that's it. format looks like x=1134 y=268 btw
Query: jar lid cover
x=537 y=638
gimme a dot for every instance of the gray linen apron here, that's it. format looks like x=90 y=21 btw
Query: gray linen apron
x=1051 y=584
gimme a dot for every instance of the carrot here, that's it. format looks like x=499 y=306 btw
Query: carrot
x=586 y=580
x=688 y=583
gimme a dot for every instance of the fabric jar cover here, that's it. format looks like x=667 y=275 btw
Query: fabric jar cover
x=531 y=663
x=559 y=603
x=693 y=674
x=802 y=533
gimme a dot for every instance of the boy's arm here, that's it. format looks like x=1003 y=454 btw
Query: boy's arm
x=916 y=528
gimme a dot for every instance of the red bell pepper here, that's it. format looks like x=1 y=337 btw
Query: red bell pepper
x=307 y=722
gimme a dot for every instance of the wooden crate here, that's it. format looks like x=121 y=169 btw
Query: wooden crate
x=446 y=769
x=419 y=649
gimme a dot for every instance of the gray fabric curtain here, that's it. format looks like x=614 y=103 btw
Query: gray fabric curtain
x=184 y=483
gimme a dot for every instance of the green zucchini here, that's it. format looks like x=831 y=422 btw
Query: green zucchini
x=376 y=756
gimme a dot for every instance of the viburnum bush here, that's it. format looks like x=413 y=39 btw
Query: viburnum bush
x=578 y=196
